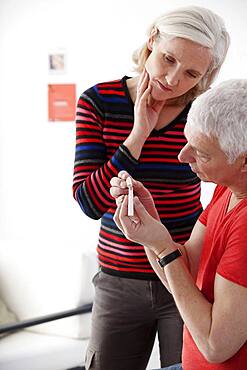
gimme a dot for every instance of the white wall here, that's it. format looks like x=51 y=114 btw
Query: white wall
x=36 y=160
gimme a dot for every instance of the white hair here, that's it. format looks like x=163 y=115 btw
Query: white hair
x=196 y=24
x=221 y=112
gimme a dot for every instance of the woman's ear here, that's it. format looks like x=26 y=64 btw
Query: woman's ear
x=151 y=38
x=150 y=43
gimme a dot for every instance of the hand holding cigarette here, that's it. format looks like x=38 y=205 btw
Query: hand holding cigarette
x=130 y=197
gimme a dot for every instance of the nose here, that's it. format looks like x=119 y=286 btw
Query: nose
x=186 y=155
x=173 y=77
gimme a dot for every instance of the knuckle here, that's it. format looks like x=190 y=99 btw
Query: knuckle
x=112 y=192
x=113 y=180
x=123 y=174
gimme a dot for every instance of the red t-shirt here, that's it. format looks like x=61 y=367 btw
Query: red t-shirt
x=225 y=252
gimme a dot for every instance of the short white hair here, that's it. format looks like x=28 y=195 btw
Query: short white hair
x=221 y=112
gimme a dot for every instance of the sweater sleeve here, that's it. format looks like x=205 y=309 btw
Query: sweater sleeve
x=92 y=169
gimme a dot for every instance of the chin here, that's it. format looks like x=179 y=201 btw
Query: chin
x=159 y=95
x=204 y=179
x=200 y=175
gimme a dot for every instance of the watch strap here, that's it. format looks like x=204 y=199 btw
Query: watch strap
x=163 y=261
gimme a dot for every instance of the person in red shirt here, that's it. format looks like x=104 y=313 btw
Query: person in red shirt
x=207 y=275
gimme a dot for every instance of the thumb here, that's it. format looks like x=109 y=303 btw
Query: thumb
x=141 y=211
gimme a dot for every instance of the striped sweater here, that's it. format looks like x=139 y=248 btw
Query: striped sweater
x=105 y=116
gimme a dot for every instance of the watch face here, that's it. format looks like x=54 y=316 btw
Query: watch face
x=160 y=263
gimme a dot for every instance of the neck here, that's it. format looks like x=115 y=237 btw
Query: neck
x=132 y=86
x=234 y=200
x=239 y=195
x=236 y=197
x=239 y=187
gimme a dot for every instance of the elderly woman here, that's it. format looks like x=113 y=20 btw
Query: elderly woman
x=136 y=124
x=207 y=275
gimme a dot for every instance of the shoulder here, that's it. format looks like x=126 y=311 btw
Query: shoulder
x=107 y=87
x=238 y=219
x=233 y=262
x=219 y=191
x=107 y=92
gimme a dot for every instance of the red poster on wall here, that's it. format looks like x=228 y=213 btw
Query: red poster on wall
x=61 y=102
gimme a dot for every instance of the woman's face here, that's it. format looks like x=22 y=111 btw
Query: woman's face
x=175 y=66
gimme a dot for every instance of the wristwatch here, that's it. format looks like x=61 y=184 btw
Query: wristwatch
x=163 y=261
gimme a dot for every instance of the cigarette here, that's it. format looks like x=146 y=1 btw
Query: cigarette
x=130 y=197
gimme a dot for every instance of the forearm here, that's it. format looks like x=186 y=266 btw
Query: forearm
x=195 y=310
x=157 y=269
x=92 y=183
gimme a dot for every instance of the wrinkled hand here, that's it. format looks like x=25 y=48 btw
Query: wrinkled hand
x=145 y=229
x=147 y=109
x=119 y=188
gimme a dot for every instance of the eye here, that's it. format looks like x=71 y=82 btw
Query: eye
x=202 y=157
x=169 y=59
x=192 y=75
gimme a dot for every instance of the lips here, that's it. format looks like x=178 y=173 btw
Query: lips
x=164 y=87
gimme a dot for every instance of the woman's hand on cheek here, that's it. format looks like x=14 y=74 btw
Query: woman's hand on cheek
x=147 y=110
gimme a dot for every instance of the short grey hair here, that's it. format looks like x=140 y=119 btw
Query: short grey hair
x=221 y=112
x=196 y=24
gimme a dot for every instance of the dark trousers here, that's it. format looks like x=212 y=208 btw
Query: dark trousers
x=127 y=313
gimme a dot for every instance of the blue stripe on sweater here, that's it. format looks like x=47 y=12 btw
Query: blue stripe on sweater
x=117 y=164
x=87 y=147
x=193 y=215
